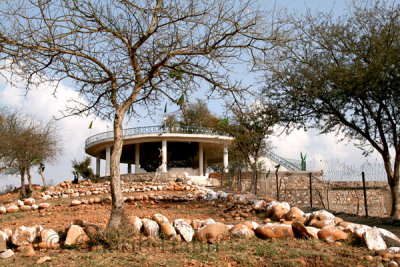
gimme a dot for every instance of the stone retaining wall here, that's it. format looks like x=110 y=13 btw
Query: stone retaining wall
x=337 y=196
x=164 y=177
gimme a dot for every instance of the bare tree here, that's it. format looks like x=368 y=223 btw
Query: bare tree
x=124 y=54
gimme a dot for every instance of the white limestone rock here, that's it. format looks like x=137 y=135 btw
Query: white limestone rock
x=373 y=239
x=6 y=254
x=150 y=228
x=390 y=239
x=184 y=229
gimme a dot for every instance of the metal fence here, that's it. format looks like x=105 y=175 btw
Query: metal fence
x=335 y=170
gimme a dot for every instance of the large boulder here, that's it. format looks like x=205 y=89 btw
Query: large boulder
x=6 y=254
x=242 y=231
x=390 y=239
x=3 y=210
x=322 y=215
x=150 y=228
x=357 y=229
x=136 y=223
x=213 y=232
x=159 y=218
x=331 y=235
x=167 y=229
x=258 y=205
x=196 y=224
x=12 y=208
x=252 y=225
x=373 y=239
x=3 y=241
x=270 y=230
x=25 y=208
x=302 y=231
x=184 y=229
x=25 y=235
x=277 y=210
x=49 y=236
x=295 y=214
x=321 y=224
x=44 y=205
x=75 y=202
x=208 y=221
x=29 y=201
x=76 y=236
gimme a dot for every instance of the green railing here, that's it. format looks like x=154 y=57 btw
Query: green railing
x=154 y=130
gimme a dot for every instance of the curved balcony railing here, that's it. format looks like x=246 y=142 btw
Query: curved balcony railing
x=154 y=130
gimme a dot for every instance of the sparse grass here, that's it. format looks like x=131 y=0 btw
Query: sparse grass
x=247 y=252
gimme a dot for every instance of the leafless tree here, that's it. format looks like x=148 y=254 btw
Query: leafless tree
x=123 y=54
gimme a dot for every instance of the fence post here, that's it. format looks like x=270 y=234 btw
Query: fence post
x=310 y=189
x=240 y=180
x=365 y=194
x=277 y=186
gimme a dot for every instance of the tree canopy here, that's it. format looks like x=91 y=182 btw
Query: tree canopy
x=194 y=114
x=82 y=169
x=251 y=127
x=342 y=75
x=25 y=142
x=123 y=54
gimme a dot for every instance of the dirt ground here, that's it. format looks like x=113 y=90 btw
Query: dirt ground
x=252 y=252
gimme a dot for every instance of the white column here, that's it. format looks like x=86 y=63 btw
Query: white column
x=164 y=155
x=201 y=159
x=205 y=162
x=108 y=161
x=129 y=168
x=137 y=155
x=226 y=170
x=98 y=165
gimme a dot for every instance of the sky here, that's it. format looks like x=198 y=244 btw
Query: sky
x=43 y=104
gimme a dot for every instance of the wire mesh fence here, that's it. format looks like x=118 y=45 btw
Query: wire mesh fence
x=336 y=170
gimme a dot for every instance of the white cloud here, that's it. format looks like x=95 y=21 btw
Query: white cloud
x=319 y=147
x=44 y=105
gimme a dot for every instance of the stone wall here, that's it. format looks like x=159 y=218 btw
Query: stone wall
x=343 y=196
x=147 y=177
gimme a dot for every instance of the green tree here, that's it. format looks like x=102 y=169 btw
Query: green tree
x=342 y=75
x=194 y=114
x=121 y=54
x=25 y=142
x=251 y=127
x=82 y=169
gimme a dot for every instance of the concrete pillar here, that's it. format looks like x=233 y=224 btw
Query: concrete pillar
x=98 y=165
x=129 y=168
x=201 y=162
x=137 y=155
x=108 y=161
x=164 y=155
x=205 y=162
x=226 y=170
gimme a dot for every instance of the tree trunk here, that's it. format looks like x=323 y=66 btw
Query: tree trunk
x=22 y=193
x=393 y=181
x=117 y=208
x=28 y=172
x=253 y=178
x=44 y=180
